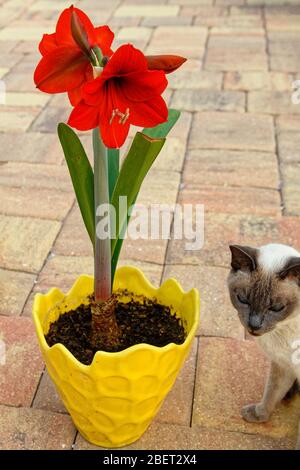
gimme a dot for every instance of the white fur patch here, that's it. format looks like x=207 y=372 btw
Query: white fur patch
x=273 y=257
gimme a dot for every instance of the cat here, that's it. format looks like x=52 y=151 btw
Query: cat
x=264 y=287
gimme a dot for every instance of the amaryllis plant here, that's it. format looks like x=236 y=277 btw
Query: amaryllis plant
x=109 y=91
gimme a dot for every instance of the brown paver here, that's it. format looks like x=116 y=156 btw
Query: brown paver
x=238 y=381
x=174 y=437
x=231 y=168
x=28 y=429
x=15 y=287
x=217 y=318
x=235 y=149
x=236 y=52
x=233 y=131
x=23 y=363
x=25 y=242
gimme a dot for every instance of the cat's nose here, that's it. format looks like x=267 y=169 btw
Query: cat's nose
x=255 y=322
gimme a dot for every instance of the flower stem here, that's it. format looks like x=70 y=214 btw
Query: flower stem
x=102 y=245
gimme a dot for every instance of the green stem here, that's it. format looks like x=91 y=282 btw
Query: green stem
x=102 y=244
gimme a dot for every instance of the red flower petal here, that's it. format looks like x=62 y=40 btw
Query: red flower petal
x=75 y=95
x=125 y=60
x=114 y=134
x=84 y=117
x=48 y=44
x=104 y=39
x=113 y=131
x=167 y=63
x=63 y=27
x=61 y=70
x=150 y=113
x=142 y=86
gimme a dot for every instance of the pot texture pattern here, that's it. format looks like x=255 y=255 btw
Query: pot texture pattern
x=113 y=400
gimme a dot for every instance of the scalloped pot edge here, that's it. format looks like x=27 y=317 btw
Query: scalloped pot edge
x=113 y=400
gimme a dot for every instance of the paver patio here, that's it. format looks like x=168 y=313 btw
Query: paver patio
x=236 y=150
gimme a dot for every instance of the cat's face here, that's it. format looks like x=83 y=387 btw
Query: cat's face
x=264 y=298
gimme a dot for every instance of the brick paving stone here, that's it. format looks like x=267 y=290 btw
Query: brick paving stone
x=192 y=2
x=232 y=131
x=188 y=41
x=30 y=147
x=39 y=203
x=248 y=81
x=172 y=155
x=277 y=102
x=282 y=22
x=47 y=398
x=7 y=59
x=174 y=437
x=235 y=52
x=23 y=362
x=288 y=138
x=291 y=192
x=35 y=175
x=235 y=372
x=49 y=118
x=230 y=168
x=134 y=33
x=25 y=242
x=242 y=25
x=177 y=406
x=254 y=201
x=217 y=316
x=285 y=63
x=204 y=11
x=147 y=10
x=24 y=32
x=26 y=99
x=182 y=128
x=15 y=120
x=195 y=80
x=221 y=230
x=14 y=290
x=167 y=21
x=208 y=100
x=28 y=429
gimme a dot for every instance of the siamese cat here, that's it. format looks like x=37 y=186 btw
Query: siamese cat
x=264 y=287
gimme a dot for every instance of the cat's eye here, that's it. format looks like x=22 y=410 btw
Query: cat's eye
x=242 y=299
x=277 y=308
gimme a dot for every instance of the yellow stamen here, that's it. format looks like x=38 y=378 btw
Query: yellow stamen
x=123 y=117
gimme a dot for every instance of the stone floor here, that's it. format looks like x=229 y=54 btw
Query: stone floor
x=236 y=150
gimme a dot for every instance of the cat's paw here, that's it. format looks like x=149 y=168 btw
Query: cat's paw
x=255 y=414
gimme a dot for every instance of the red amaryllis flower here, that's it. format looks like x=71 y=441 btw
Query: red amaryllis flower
x=67 y=54
x=125 y=93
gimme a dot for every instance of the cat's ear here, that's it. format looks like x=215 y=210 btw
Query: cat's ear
x=243 y=258
x=291 y=269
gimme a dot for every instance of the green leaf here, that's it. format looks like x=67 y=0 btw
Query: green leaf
x=158 y=132
x=139 y=160
x=81 y=174
x=113 y=160
x=162 y=130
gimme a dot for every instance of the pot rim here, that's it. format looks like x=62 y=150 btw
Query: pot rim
x=193 y=293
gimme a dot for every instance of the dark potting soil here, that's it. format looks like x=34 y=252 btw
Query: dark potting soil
x=145 y=322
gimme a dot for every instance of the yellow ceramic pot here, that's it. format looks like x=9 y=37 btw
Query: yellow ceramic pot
x=113 y=400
